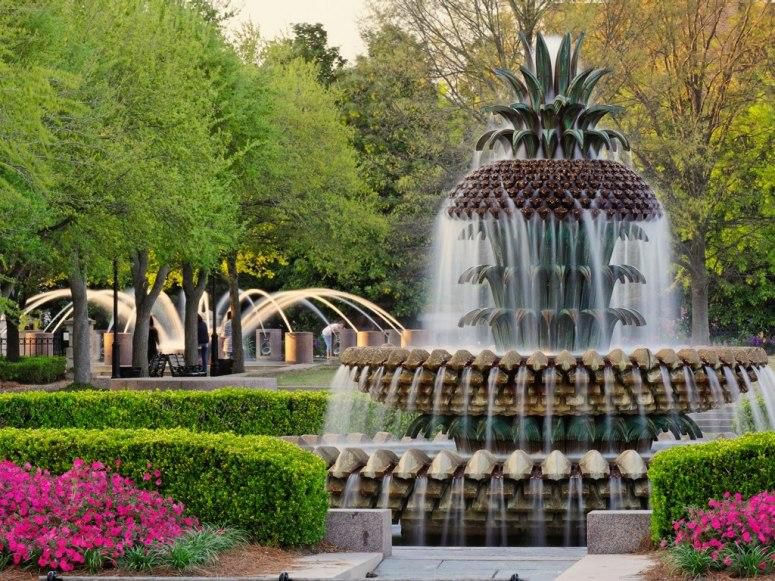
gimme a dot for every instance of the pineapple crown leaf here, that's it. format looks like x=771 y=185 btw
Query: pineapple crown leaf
x=553 y=105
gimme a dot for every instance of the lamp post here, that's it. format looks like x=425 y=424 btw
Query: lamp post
x=214 y=336
x=116 y=369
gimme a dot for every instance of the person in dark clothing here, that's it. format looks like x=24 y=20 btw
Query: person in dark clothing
x=153 y=340
x=203 y=339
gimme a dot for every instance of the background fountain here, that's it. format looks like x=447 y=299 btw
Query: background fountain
x=555 y=367
x=259 y=307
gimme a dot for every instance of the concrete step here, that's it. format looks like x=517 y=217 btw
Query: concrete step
x=716 y=427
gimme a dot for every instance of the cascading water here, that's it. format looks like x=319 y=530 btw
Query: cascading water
x=552 y=361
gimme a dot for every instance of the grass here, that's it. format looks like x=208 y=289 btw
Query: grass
x=319 y=376
x=193 y=549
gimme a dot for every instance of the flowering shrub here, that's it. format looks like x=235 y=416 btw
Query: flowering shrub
x=89 y=512
x=732 y=533
x=685 y=476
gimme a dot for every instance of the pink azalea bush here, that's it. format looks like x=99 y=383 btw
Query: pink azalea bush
x=730 y=531
x=53 y=521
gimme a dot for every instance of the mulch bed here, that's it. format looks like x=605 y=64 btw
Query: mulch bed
x=246 y=561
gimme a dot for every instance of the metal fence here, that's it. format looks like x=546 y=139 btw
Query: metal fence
x=32 y=346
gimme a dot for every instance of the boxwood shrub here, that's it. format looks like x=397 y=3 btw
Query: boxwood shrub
x=40 y=369
x=273 y=490
x=242 y=411
x=688 y=476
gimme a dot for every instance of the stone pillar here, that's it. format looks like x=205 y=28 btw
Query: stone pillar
x=269 y=344
x=125 y=343
x=393 y=337
x=413 y=338
x=97 y=344
x=347 y=338
x=370 y=338
x=298 y=347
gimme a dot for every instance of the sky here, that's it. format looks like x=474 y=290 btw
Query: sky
x=340 y=18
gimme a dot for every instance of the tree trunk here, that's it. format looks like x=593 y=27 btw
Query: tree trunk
x=81 y=340
x=11 y=337
x=193 y=292
x=699 y=290
x=144 y=301
x=238 y=353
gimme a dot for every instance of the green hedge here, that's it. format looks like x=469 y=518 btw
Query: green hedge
x=688 y=476
x=41 y=369
x=242 y=411
x=272 y=489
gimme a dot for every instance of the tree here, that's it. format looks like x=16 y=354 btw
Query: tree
x=310 y=43
x=26 y=137
x=687 y=71
x=411 y=143
x=302 y=200
x=741 y=256
x=464 y=39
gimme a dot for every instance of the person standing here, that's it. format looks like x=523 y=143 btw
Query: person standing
x=203 y=339
x=226 y=336
x=153 y=340
x=328 y=337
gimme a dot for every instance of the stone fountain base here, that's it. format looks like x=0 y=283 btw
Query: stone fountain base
x=451 y=498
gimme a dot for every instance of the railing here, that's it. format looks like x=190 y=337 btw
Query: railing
x=31 y=346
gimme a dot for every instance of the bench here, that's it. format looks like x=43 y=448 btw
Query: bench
x=157 y=365
x=178 y=367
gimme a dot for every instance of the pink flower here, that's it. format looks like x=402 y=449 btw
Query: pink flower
x=57 y=519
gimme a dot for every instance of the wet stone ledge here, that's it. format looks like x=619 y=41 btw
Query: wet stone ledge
x=639 y=382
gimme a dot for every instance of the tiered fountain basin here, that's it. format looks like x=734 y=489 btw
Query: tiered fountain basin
x=504 y=488
x=439 y=382
x=457 y=498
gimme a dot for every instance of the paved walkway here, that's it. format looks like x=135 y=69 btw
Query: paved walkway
x=530 y=563
x=607 y=568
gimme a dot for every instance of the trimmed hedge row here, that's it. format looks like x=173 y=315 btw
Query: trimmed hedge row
x=688 y=476
x=273 y=490
x=40 y=369
x=241 y=411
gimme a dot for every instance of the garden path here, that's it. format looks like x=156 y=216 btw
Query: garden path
x=530 y=563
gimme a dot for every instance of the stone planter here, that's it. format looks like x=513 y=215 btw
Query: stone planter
x=413 y=338
x=269 y=344
x=125 y=346
x=347 y=338
x=298 y=347
x=370 y=338
x=393 y=337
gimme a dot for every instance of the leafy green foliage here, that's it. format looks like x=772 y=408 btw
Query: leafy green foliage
x=198 y=547
x=33 y=370
x=310 y=42
x=687 y=476
x=410 y=144
x=271 y=489
x=240 y=411
x=690 y=560
x=552 y=109
x=747 y=559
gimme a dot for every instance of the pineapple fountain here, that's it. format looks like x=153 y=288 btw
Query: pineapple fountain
x=553 y=371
